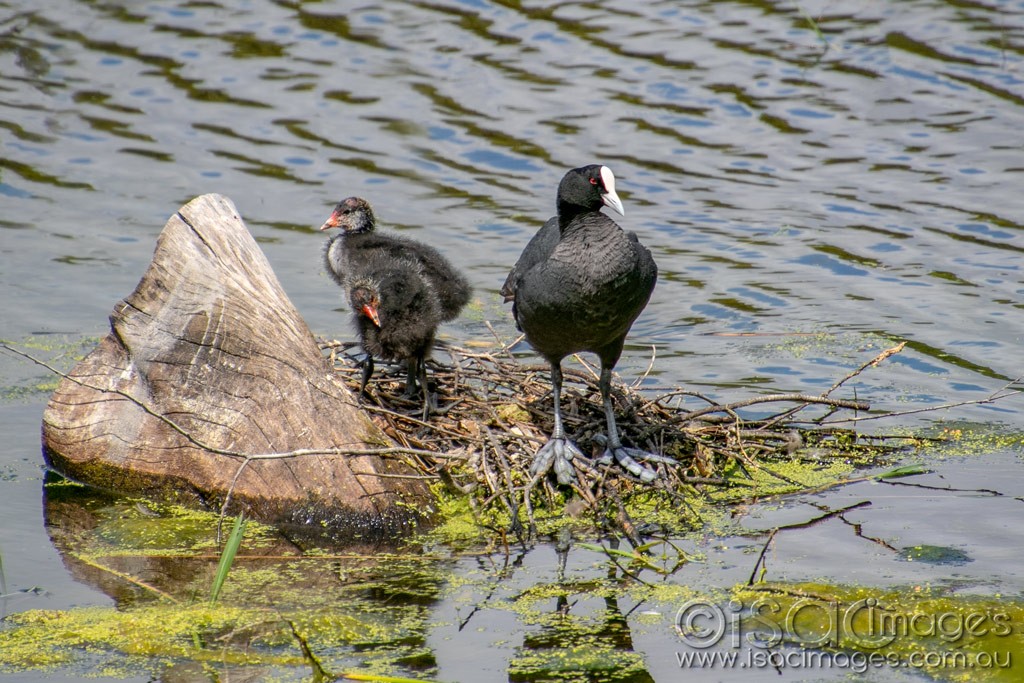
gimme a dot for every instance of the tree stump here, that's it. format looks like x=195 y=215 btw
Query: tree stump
x=208 y=361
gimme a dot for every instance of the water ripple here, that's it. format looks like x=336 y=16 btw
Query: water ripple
x=858 y=175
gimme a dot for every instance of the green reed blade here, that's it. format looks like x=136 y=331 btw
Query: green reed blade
x=227 y=557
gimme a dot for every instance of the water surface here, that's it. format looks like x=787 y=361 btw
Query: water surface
x=816 y=180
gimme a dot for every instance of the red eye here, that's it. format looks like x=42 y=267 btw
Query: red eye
x=593 y=181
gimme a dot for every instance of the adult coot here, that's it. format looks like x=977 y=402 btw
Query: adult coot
x=578 y=286
x=396 y=312
x=359 y=240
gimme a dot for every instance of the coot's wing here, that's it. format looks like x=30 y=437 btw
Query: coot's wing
x=538 y=249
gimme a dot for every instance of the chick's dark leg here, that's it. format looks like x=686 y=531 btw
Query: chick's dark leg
x=558 y=452
x=417 y=370
x=411 y=371
x=624 y=456
x=367 y=371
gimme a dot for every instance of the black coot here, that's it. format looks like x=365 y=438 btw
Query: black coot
x=359 y=240
x=396 y=312
x=578 y=286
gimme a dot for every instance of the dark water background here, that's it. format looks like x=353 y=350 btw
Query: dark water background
x=817 y=181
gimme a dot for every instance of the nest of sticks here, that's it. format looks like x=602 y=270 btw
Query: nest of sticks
x=495 y=412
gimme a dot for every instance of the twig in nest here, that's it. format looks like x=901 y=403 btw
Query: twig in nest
x=503 y=348
x=873 y=363
x=1005 y=391
x=774 y=398
x=650 y=366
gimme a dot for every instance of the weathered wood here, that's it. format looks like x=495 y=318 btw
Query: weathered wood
x=210 y=341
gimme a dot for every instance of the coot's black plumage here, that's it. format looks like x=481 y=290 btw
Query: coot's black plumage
x=396 y=312
x=578 y=286
x=359 y=240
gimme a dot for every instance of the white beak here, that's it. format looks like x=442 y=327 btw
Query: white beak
x=609 y=197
